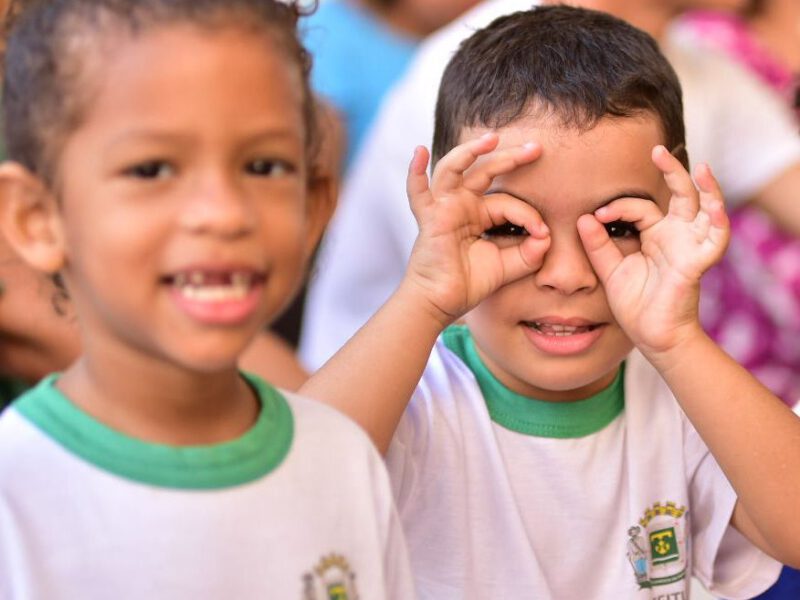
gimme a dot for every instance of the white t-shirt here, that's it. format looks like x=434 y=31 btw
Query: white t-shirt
x=299 y=508
x=502 y=496
x=734 y=123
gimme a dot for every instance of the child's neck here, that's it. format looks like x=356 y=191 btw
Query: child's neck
x=160 y=403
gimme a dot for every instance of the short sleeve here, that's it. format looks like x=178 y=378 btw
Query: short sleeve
x=407 y=449
x=724 y=561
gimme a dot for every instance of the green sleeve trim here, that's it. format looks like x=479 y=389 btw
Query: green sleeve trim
x=257 y=452
x=534 y=417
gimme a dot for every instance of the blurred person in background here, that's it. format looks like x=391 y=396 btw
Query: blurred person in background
x=764 y=36
x=359 y=48
x=751 y=300
x=38 y=334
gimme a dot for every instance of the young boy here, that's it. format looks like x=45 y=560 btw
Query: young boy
x=543 y=453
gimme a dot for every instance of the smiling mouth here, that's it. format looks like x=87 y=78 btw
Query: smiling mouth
x=214 y=286
x=560 y=330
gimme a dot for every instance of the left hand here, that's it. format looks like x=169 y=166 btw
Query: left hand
x=654 y=293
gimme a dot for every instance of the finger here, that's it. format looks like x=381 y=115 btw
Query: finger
x=449 y=170
x=712 y=201
x=479 y=178
x=642 y=213
x=603 y=253
x=684 y=201
x=524 y=258
x=503 y=208
x=417 y=188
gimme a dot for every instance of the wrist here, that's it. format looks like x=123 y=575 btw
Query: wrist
x=417 y=308
x=686 y=344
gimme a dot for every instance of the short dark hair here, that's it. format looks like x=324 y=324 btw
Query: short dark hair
x=42 y=99
x=576 y=64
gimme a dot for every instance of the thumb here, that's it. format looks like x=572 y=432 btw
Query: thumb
x=602 y=252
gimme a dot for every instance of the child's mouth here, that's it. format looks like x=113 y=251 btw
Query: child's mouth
x=559 y=329
x=214 y=286
x=563 y=337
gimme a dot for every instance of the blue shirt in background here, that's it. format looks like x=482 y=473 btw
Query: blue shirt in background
x=356 y=60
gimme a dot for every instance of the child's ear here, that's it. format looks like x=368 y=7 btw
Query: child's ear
x=322 y=196
x=29 y=218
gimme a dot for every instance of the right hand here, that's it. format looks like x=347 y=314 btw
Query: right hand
x=452 y=267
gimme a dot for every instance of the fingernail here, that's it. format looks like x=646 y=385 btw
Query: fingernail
x=529 y=145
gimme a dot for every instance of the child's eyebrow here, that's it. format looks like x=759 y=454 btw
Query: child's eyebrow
x=624 y=193
x=187 y=138
x=633 y=193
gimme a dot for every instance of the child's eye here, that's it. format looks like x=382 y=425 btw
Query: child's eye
x=152 y=169
x=621 y=229
x=505 y=230
x=268 y=167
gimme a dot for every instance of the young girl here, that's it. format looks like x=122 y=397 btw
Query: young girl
x=161 y=166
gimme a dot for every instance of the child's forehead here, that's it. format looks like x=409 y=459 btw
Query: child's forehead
x=580 y=168
x=553 y=128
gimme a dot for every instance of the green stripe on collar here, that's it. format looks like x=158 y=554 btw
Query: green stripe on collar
x=534 y=417
x=247 y=458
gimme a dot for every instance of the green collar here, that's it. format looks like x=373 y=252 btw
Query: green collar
x=239 y=461
x=537 y=417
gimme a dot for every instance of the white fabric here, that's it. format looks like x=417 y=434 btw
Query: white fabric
x=489 y=513
x=733 y=122
x=69 y=530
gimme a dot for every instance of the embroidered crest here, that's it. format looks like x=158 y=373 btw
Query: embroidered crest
x=330 y=579
x=657 y=545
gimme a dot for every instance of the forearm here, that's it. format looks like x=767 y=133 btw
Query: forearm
x=372 y=378
x=781 y=200
x=754 y=437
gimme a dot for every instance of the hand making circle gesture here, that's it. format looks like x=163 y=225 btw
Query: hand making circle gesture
x=451 y=262
x=654 y=293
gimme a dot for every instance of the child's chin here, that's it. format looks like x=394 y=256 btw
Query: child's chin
x=570 y=382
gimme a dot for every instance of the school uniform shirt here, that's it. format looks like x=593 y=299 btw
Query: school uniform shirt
x=299 y=507
x=615 y=496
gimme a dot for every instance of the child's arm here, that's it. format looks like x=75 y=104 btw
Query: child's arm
x=451 y=269
x=654 y=296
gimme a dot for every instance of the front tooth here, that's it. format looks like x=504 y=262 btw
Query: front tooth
x=241 y=279
x=179 y=280
x=197 y=278
x=556 y=329
x=214 y=293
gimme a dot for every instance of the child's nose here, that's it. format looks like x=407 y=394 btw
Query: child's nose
x=566 y=268
x=217 y=205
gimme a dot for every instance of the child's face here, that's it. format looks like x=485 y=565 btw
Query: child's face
x=184 y=201
x=551 y=335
